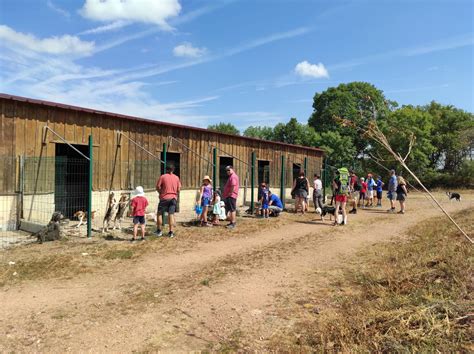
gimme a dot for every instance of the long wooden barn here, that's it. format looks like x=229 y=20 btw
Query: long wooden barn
x=44 y=145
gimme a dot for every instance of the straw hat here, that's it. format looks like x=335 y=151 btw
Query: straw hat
x=208 y=178
x=138 y=192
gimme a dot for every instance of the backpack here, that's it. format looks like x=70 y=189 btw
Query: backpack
x=344 y=179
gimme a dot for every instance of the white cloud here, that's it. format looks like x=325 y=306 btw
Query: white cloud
x=65 y=44
x=57 y=9
x=187 y=50
x=306 y=69
x=106 y=28
x=147 y=11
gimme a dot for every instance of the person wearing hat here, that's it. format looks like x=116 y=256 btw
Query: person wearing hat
x=138 y=204
x=205 y=196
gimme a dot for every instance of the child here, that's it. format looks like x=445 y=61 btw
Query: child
x=216 y=209
x=205 y=196
x=363 y=190
x=139 y=204
x=264 y=200
x=370 y=190
x=380 y=185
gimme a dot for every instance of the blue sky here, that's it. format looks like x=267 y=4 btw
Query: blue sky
x=247 y=62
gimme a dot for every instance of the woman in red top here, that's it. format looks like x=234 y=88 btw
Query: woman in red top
x=363 y=191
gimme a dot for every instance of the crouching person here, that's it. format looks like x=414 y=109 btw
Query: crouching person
x=275 y=206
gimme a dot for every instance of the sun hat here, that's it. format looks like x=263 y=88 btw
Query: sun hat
x=138 y=192
x=208 y=178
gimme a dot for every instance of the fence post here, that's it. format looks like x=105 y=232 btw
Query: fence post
x=324 y=178
x=305 y=166
x=252 y=181
x=164 y=219
x=21 y=190
x=214 y=168
x=89 y=202
x=282 y=181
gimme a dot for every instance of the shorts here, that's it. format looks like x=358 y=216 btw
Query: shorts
x=205 y=201
x=379 y=194
x=341 y=198
x=361 y=195
x=139 y=220
x=391 y=195
x=371 y=194
x=230 y=204
x=401 y=197
x=264 y=206
x=167 y=205
x=301 y=193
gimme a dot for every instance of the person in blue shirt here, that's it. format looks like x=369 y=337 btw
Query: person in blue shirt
x=274 y=204
x=380 y=185
x=370 y=190
x=392 y=190
x=264 y=200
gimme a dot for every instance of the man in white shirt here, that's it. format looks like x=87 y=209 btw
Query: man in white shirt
x=317 y=192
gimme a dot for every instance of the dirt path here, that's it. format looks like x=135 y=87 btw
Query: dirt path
x=195 y=298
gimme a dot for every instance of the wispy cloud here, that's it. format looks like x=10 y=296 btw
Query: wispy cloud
x=106 y=28
x=57 y=9
x=188 y=50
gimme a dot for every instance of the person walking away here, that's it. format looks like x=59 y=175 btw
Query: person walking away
x=264 y=198
x=392 y=191
x=230 y=194
x=370 y=190
x=205 y=196
x=354 y=189
x=317 y=192
x=363 y=191
x=341 y=188
x=168 y=187
x=274 y=204
x=139 y=204
x=401 y=193
x=300 y=190
x=380 y=185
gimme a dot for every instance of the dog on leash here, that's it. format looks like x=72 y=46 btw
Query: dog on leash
x=81 y=215
x=326 y=209
x=122 y=207
x=112 y=208
x=454 y=196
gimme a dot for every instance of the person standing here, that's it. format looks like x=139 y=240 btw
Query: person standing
x=340 y=188
x=354 y=189
x=363 y=191
x=300 y=190
x=380 y=185
x=230 y=194
x=401 y=193
x=317 y=192
x=167 y=186
x=139 y=204
x=370 y=190
x=205 y=197
x=392 y=191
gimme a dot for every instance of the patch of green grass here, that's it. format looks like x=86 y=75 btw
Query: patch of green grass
x=414 y=296
x=205 y=282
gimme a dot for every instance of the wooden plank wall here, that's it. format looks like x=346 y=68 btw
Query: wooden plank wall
x=22 y=130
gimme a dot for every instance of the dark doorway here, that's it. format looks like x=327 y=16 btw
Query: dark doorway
x=172 y=158
x=71 y=187
x=224 y=161
x=263 y=172
x=296 y=170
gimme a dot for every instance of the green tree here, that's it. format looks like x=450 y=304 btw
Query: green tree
x=452 y=136
x=339 y=149
x=296 y=133
x=265 y=133
x=358 y=102
x=227 y=128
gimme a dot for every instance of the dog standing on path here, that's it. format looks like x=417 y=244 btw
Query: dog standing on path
x=453 y=196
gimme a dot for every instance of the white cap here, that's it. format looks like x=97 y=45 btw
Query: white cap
x=139 y=191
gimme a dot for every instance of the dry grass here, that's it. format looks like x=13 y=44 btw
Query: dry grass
x=416 y=296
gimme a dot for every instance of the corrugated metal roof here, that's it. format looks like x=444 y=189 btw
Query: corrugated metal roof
x=138 y=119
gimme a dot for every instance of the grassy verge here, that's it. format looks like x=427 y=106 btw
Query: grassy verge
x=415 y=296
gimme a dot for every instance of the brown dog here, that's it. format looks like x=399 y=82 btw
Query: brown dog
x=82 y=216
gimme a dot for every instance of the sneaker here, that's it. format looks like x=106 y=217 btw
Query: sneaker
x=231 y=226
x=392 y=210
x=158 y=233
x=353 y=211
x=401 y=212
x=142 y=238
x=133 y=240
x=171 y=234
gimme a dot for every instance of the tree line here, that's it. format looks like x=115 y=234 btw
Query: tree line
x=440 y=138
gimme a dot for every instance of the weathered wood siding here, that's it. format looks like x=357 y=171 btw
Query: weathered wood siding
x=120 y=164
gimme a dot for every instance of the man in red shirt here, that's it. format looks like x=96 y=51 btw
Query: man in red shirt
x=230 y=194
x=168 y=186
x=139 y=204
x=354 y=190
